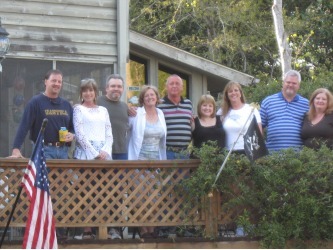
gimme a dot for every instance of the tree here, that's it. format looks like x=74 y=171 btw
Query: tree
x=281 y=36
x=229 y=32
x=240 y=34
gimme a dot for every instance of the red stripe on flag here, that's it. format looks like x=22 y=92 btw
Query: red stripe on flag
x=29 y=179
x=40 y=232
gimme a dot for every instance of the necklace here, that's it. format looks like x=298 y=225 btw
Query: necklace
x=89 y=105
x=317 y=119
x=151 y=117
x=208 y=122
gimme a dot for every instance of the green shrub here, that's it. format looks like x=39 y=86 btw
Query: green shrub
x=281 y=197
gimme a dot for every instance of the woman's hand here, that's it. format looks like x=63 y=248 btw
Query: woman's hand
x=69 y=137
x=102 y=155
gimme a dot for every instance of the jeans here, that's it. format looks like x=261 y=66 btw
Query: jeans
x=53 y=152
x=120 y=156
x=171 y=155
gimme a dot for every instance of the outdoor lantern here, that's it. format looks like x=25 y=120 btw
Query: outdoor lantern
x=4 y=42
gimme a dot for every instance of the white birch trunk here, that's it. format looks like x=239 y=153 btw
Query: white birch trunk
x=281 y=36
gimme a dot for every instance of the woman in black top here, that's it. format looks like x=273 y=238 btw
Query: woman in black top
x=207 y=126
x=317 y=127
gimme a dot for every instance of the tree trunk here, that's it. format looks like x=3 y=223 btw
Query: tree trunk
x=281 y=36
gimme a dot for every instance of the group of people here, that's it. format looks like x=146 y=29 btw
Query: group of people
x=293 y=121
x=102 y=127
x=290 y=120
x=105 y=128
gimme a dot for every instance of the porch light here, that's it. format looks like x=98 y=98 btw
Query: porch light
x=4 y=42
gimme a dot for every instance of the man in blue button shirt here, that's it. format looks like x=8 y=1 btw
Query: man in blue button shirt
x=282 y=114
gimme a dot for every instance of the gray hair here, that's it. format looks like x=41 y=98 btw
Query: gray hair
x=292 y=73
x=114 y=76
x=174 y=75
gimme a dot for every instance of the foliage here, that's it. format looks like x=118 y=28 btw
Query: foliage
x=211 y=159
x=310 y=28
x=281 y=197
x=263 y=89
x=229 y=32
x=240 y=34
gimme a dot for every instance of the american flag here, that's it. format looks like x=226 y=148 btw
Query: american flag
x=40 y=230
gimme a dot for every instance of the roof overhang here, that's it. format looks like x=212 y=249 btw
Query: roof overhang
x=180 y=58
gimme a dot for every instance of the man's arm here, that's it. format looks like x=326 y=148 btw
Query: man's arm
x=25 y=124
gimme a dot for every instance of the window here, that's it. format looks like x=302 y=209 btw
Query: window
x=21 y=79
x=136 y=78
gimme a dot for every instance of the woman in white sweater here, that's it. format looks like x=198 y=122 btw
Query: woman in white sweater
x=148 y=136
x=92 y=131
x=235 y=114
x=92 y=126
x=148 y=129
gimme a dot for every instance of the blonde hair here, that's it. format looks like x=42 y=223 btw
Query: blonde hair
x=226 y=105
x=88 y=83
x=206 y=99
x=312 y=110
x=144 y=90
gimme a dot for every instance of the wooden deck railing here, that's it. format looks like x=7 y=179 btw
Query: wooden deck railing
x=111 y=194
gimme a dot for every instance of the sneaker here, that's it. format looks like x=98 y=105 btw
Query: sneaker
x=78 y=237
x=88 y=236
x=114 y=234
x=85 y=236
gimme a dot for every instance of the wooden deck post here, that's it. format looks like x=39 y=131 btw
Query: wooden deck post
x=211 y=214
x=102 y=233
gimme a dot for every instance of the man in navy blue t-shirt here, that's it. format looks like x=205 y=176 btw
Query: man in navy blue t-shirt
x=59 y=113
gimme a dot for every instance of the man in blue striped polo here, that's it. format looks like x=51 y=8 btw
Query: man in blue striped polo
x=178 y=114
x=282 y=114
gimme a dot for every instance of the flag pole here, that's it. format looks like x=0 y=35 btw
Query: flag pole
x=233 y=145
x=11 y=215
x=42 y=129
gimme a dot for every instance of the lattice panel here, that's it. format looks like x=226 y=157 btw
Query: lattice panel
x=10 y=179
x=227 y=215
x=102 y=195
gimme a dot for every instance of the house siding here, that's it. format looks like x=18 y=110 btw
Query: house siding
x=83 y=30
